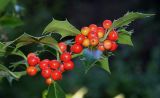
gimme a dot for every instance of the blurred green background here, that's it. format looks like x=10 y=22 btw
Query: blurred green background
x=135 y=70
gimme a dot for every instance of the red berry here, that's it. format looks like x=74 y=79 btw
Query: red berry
x=44 y=64
x=62 y=46
x=107 y=44
x=113 y=36
x=54 y=64
x=49 y=81
x=46 y=73
x=79 y=38
x=68 y=65
x=33 y=61
x=31 y=55
x=61 y=68
x=76 y=48
x=31 y=71
x=65 y=57
x=93 y=27
x=56 y=75
x=92 y=34
x=107 y=24
x=94 y=41
x=101 y=47
x=114 y=46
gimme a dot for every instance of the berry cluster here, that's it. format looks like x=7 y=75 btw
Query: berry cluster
x=90 y=36
x=50 y=69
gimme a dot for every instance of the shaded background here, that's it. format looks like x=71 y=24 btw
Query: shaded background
x=135 y=70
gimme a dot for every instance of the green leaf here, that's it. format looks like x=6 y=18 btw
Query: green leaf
x=93 y=58
x=55 y=91
x=5 y=72
x=90 y=58
x=10 y=51
x=125 y=21
x=125 y=37
x=104 y=64
x=64 y=28
x=26 y=39
x=128 y=18
x=3 y=4
x=10 y=21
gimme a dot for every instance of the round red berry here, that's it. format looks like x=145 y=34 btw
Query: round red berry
x=62 y=46
x=93 y=27
x=114 y=46
x=101 y=47
x=113 y=36
x=94 y=41
x=54 y=64
x=65 y=57
x=33 y=61
x=76 y=48
x=46 y=73
x=107 y=24
x=44 y=64
x=79 y=38
x=69 y=65
x=56 y=75
x=31 y=71
x=31 y=55
x=92 y=35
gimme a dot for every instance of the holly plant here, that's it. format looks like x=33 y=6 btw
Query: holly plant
x=93 y=44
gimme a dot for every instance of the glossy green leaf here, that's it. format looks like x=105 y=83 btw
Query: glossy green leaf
x=10 y=21
x=64 y=28
x=55 y=91
x=125 y=37
x=125 y=21
x=104 y=64
x=128 y=18
x=5 y=72
x=10 y=51
x=26 y=39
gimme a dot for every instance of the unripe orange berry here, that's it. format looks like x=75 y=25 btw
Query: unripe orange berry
x=31 y=70
x=107 y=44
x=85 y=30
x=100 y=32
x=49 y=81
x=86 y=42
